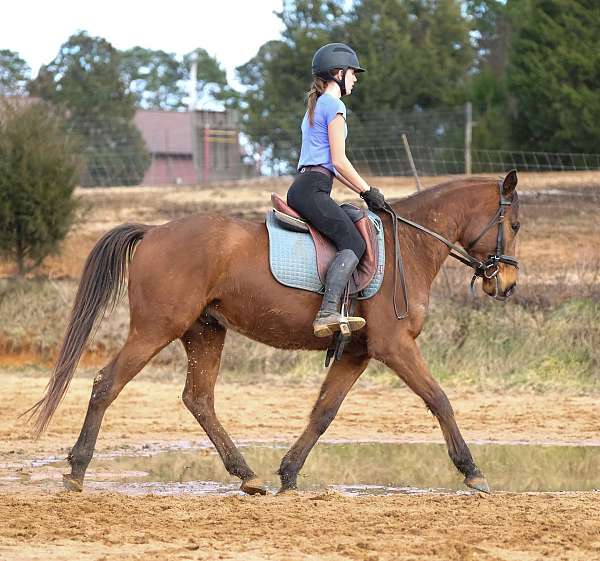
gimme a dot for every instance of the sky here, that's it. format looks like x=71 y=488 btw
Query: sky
x=230 y=30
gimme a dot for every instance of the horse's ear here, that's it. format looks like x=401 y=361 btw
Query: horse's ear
x=509 y=184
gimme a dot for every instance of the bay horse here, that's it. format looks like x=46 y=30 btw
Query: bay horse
x=194 y=278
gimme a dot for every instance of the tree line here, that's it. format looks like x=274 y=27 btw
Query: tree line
x=531 y=69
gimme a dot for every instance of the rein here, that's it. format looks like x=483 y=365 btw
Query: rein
x=485 y=269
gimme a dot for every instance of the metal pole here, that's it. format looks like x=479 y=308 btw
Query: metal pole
x=411 y=161
x=192 y=110
x=468 y=136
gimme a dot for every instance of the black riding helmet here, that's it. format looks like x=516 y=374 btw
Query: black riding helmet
x=333 y=56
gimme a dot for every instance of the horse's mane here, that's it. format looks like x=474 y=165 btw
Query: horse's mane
x=447 y=185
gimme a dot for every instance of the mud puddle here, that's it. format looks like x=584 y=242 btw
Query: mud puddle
x=350 y=468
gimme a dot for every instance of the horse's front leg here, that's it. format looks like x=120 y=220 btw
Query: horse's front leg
x=406 y=361
x=340 y=378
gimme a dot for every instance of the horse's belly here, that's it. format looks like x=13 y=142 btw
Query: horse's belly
x=274 y=326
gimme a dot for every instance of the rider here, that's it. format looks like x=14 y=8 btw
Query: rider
x=322 y=157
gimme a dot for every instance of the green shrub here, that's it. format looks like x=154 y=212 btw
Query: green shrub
x=37 y=179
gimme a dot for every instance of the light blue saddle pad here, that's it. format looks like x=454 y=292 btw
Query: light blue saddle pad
x=293 y=258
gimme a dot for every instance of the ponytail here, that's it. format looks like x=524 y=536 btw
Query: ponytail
x=317 y=89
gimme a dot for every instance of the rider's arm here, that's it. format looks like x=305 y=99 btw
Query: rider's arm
x=337 y=145
x=343 y=180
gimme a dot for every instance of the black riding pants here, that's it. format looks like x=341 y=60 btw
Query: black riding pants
x=309 y=195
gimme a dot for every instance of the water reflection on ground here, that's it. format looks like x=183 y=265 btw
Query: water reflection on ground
x=353 y=468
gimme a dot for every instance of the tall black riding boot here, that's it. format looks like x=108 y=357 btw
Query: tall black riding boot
x=329 y=320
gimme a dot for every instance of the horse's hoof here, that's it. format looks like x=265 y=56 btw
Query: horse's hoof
x=479 y=483
x=253 y=486
x=286 y=489
x=72 y=484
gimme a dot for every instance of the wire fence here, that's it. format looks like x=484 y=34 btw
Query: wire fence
x=393 y=160
x=167 y=152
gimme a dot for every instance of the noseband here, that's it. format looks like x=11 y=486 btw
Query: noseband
x=487 y=269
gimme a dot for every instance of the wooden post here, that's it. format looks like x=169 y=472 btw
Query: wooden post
x=206 y=168
x=411 y=161
x=468 y=136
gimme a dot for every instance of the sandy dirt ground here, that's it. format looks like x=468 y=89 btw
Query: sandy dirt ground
x=38 y=524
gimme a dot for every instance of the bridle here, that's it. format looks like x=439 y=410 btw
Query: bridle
x=487 y=269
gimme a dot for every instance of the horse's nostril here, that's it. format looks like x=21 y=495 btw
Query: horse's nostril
x=511 y=290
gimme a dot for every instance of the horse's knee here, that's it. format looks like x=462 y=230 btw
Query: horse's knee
x=104 y=391
x=200 y=407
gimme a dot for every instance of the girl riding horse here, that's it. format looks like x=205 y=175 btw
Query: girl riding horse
x=323 y=157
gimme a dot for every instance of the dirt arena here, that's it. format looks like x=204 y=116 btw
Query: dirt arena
x=39 y=522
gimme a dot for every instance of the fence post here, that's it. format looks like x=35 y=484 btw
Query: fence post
x=410 y=161
x=192 y=110
x=207 y=155
x=468 y=136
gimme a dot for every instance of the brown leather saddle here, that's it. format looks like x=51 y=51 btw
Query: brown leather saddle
x=326 y=251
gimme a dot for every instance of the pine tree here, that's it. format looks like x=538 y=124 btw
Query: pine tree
x=159 y=81
x=554 y=75
x=487 y=90
x=37 y=179
x=153 y=76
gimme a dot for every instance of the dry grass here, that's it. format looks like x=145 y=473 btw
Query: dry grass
x=527 y=343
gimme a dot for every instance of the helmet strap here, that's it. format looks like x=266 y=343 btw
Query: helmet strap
x=341 y=83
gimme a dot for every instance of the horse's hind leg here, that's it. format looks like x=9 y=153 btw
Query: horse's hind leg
x=203 y=343
x=340 y=378
x=109 y=382
x=408 y=364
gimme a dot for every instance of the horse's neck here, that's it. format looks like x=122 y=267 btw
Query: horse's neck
x=445 y=210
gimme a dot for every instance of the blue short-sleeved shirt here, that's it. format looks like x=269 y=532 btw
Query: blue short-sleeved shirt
x=315 y=140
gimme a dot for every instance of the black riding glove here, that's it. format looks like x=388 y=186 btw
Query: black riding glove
x=374 y=199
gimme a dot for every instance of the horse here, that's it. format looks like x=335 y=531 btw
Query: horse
x=195 y=277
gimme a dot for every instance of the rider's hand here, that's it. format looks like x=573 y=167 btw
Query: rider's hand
x=374 y=199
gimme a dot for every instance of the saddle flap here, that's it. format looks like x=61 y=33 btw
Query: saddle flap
x=368 y=264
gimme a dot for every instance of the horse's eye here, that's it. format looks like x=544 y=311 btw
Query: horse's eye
x=515 y=227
